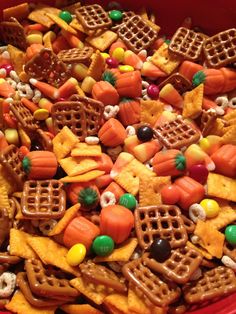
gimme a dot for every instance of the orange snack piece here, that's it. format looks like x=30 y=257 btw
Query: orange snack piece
x=112 y=133
x=117 y=222
x=32 y=50
x=105 y=92
x=129 y=112
x=116 y=189
x=190 y=191
x=104 y=163
x=129 y=84
x=80 y=230
x=225 y=160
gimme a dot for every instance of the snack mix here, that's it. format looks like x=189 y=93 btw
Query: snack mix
x=117 y=162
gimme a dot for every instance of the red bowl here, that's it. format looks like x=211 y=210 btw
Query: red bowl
x=210 y=16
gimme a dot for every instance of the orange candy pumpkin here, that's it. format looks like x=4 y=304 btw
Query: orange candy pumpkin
x=105 y=92
x=117 y=222
x=129 y=112
x=225 y=160
x=40 y=165
x=129 y=84
x=112 y=133
x=169 y=163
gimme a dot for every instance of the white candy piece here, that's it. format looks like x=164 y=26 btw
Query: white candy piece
x=92 y=140
x=14 y=76
x=107 y=198
x=196 y=212
x=7 y=284
x=227 y=261
x=194 y=239
x=130 y=130
x=37 y=96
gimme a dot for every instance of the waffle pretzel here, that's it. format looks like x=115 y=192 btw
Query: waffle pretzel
x=46 y=282
x=76 y=55
x=47 y=66
x=176 y=134
x=207 y=120
x=220 y=49
x=156 y=290
x=43 y=199
x=215 y=283
x=9 y=159
x=179 y=267
x=187 y=44
x=159 y=221
x=137 y=34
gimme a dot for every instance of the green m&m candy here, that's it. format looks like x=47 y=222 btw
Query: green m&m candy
x=128 y=200
x=65 y=16
x=230 y=234
x=103 y=245
x=116 y=15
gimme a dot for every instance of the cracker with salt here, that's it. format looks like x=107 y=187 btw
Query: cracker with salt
x=129 y=176
x=74 y=166
x=210 y=239
x=164 y=60
x=135 y=303
x=193 y=99
x=80 y=309
x=61 y=23
x=117 y=303
x=18 y=304
x=149 y=190
x=93 y=292
x=77 y=25
x=4 y=199
x=64 y=221
x=19 y=244
x=39 y=15
x=88 y=176
x=102 y=41
x=52 y=253
x=221 y=186
x=226 y=216
x=150 y=111
x=84 y=149
x=230 y=135
x=17 y=57
x=19 y=12
x=122 y=253
x=97 y=66
x=63 y=142
x=200 y=250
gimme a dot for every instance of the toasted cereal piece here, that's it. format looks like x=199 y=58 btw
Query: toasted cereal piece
x=192 y=107
x=165 y=61
x=210 y=239
x=149 y=190
x=221 y=186
x=63 y=142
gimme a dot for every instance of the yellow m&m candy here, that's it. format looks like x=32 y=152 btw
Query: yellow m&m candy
x=211 y=207
x=76 y=254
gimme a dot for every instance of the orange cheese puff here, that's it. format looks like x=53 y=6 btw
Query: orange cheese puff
x=116 y=189
x=225 y=160
x=129 y=84
x=145 y=151
x=3 y=141
x=112 y=133
x=6 y=90
x=32 y=50
x=59 y=44
x=151 y=70
x=117 y=44
x=80 y=230
x=117 y=222
x=130 y=143
x=190 y=191
x=29 y=104
x=169 y=94
x=188 y=69
x=68 y=88
x=48 y=90
x=105 y=92
x=129 y=112
x=105 y=163
x=130 y=58
x=44 y=103
x=72 y=40
x=103 y=181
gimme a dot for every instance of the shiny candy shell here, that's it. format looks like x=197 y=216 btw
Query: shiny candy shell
x=128 y=200
x=126 y=68
x=160 y=250
x=199 y=173
x=76 y=254
x=65 y=16
x=41 y=114
x=116 y=15
x=230 y=234
x=211 y=207
x=118 y=54
x=103 y=245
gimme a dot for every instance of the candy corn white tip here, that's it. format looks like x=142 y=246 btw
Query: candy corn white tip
x=33 y=81
x=5 y=55
x=56 y=95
